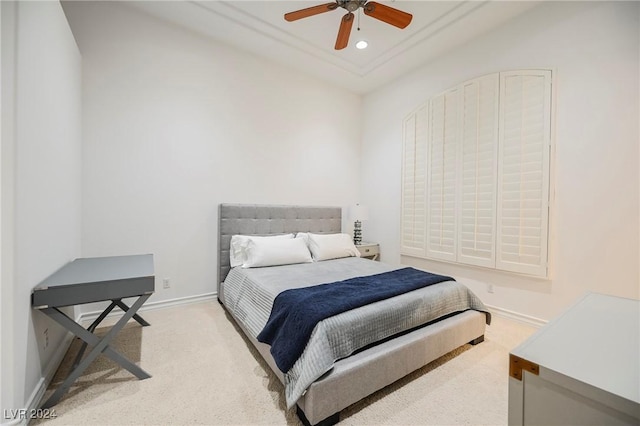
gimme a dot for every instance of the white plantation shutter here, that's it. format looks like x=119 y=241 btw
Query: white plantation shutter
x=442 y=176
x=420 y=194
x=476 y=179
x=523 y=172
x=414 y=183
x=478 y=171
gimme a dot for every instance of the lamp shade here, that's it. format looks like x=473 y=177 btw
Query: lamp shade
x=359 y=212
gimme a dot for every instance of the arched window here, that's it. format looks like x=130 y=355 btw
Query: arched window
x=476 y=174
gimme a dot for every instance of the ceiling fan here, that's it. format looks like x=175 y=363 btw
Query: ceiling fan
x=384 y=13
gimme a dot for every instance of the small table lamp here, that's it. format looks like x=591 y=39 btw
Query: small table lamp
x=358 y=214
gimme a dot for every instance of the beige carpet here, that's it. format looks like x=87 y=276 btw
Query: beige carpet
x=205 y=372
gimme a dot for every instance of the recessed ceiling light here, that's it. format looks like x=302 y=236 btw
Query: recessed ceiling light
x=361 y=44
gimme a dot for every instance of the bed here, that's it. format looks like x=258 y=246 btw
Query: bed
x=322 y=386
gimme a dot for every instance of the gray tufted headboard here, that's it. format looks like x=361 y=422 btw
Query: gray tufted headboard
x=265 y=219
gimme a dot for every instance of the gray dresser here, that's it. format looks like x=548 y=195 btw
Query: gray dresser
x=583 y=368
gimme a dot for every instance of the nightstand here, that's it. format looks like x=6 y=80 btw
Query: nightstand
x=369 y=250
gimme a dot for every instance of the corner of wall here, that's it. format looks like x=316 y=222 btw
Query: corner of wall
x=7 y=202
x=47 y=233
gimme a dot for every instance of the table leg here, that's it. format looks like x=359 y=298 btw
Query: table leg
x=100 y=346
x=136 y=317
x=91 y=328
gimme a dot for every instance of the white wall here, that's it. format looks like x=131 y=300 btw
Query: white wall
x=594 y=49
x=175 y=124
x=41 y=186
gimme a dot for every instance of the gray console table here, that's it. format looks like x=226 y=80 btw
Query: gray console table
x=88 y=280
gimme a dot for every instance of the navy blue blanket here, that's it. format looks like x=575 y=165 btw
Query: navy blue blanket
x=296 y=312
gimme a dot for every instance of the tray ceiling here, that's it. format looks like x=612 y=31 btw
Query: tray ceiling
x=307 y=44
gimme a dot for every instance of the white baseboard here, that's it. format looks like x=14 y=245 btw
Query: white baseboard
x=516 y=316
x=36 y=396
x=162 y=304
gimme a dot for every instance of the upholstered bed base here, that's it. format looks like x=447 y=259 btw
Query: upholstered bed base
x=366 y=372
x=360 y=375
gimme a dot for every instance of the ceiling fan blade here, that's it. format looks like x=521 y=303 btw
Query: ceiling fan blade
x=387 y=14
x=344 y=31
x=310 y=11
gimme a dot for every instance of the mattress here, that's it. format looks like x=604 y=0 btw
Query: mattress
x=249 y=295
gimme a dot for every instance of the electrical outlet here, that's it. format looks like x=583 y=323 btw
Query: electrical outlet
x=166 y=283
x=489 y=288
x=46 y=338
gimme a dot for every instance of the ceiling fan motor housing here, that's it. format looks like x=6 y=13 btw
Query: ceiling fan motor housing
x=351 y=5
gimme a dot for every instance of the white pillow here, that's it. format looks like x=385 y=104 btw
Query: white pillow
x=239 y=244
x=275 y=251
x=331 y=246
